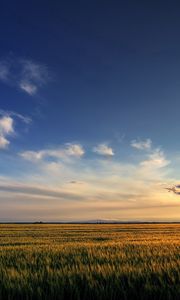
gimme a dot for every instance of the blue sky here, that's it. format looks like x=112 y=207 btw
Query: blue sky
x=89 y=110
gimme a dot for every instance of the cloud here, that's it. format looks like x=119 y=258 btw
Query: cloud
x=39 y=191
x=32 y=155
x=4 y=71
x=141 y=145
x=156 y=159
x=103 y=149
x=3 y=142
x=74 y=150
x=24 y=74
x=108 y=189
x=33 y=76
x=99 y=188
x=175 y=189
x=69 y=150
x=7 y=126
x=10 y=113
x=28 y=87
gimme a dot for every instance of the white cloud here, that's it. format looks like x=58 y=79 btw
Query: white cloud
x=6 y=128
x=28 y=87
x=6 y=125
x=156 y=159
x=74 y=150
x=24 y=74
x=32 y=155
x=3 y=142
x=142 y=145
x=69 y=150
x=103 y=149
x=9 y=113
x=4 y=71
x=33 y=76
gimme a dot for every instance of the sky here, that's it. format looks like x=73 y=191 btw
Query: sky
x=89 y=110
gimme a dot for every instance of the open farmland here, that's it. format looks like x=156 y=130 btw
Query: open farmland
x=100 y=261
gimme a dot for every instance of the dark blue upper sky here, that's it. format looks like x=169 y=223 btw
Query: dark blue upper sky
x=114 y=69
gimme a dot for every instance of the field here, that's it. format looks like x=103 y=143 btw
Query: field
x=99 y=261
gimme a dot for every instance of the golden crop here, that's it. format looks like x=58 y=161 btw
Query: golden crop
x=100 y=261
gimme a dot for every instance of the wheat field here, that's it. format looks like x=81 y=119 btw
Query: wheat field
x=99 y=261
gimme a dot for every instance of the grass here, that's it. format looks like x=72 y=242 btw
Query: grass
x=98 y=261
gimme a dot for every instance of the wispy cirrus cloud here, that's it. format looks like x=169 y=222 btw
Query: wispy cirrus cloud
x=156 y=159
x=33 y=76
x=25 y=74
x=38 y=191
x=28 y=87
x=141 y=144
x=103 y=149
x=4 y=71
x=69 y=150
x=10 y=113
